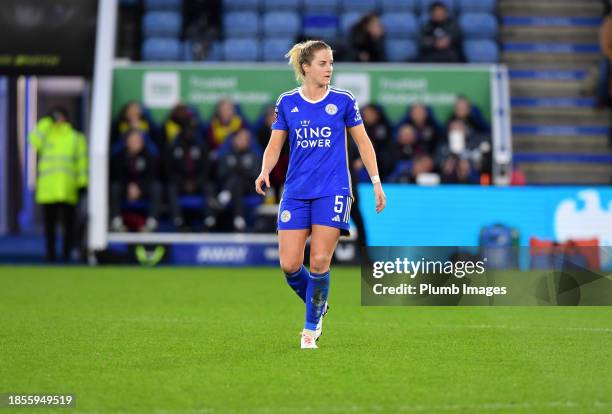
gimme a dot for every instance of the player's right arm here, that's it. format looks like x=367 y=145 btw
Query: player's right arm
x=270 y=158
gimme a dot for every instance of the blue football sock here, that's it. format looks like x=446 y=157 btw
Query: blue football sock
x=299 y=281
x=316 y=296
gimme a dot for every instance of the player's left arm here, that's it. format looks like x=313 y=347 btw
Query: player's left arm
x=368 y=156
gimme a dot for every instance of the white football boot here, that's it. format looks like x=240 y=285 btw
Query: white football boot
x=308 y=340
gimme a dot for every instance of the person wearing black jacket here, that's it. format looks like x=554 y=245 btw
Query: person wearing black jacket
x=425 y=128
x=440 y=37
x=238 y=168
x=187 y=172
x=367 y=39
x=379 y=130
x=133 y=178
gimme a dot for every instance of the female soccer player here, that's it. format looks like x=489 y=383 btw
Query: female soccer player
x=318 y=195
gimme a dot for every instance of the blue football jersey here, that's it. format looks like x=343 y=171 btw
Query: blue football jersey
x=318 y=148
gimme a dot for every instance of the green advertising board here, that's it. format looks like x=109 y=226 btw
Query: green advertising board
x=395 y=87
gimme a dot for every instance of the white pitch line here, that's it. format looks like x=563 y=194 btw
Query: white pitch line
x=405 y=408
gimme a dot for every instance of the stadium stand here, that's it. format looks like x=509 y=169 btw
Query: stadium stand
x=331 y=20
x=550 y=48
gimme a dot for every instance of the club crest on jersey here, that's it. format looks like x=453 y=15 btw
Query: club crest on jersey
x=331 y=109
x=285 y=216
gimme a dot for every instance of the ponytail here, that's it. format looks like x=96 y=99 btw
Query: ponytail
x=302 y=53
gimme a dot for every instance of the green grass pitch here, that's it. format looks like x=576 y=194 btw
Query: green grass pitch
x=187 y=340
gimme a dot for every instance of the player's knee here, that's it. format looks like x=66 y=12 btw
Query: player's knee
x=319 y=263
x=290 y=265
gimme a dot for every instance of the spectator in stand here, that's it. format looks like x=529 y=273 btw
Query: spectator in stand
x=367 y=39
x=188 y=173
x=225 y=122
x=133 y=178
x=379 y=130
x=182 y=117
x=425 y=127
x=406 y=150
x=277 y=176
x=132 y=117
x=463 y=111
x=405 y=144
x=464 y=145
x=457 y=170
x=238 y=169
x=440 y=36
x=202 y=26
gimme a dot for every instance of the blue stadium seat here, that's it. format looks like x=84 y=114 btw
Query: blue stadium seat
x=321 y=6
x=481 y=51
x=274 y=49
x=241 y=24
x=240 y=5
x=348 y=20
x=162 y=24
x=282 y=5
x=362 y=6
x=162 y=49
x=172 y=5
x=323 y=26
x=398 y=6
x=478 y=25
x=400 y=50
x=477 y=6
x=400 y=25
x=425 y=4
x=241 y=50
x=283 y=24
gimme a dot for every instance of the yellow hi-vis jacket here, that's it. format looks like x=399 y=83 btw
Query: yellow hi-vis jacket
x=62 y=161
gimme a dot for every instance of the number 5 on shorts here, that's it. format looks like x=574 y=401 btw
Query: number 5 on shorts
x=338 y=205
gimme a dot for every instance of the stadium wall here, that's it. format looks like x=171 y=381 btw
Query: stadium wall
x=454 y=215
x=448 y=215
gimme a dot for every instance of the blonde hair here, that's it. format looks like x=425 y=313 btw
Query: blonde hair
x=302 y=53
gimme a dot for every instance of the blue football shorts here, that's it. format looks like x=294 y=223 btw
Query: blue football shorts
x=333 y=211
